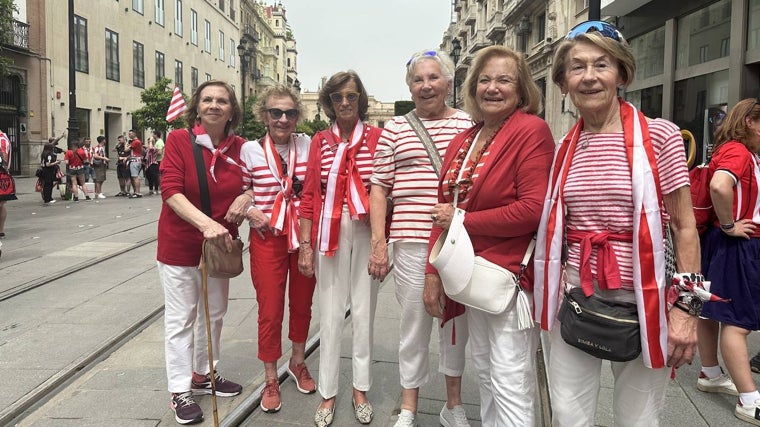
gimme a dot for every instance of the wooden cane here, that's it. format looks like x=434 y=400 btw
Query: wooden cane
x=212 y=374
x=543 y=385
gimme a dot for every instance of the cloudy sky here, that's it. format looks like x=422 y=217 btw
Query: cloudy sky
x=373 y=37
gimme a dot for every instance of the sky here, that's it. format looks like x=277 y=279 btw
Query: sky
x=375 y=38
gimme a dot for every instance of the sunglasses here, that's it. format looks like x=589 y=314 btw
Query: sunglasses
x=276 y=113
x=338 y=97
x=297 y=184
x=421 y=54
x=604 y=28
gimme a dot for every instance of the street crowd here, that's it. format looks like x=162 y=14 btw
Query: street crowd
x=480 y=187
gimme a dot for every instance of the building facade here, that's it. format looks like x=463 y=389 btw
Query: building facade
x=694 y=59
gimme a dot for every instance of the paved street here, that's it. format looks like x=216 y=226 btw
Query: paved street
x=95 y=262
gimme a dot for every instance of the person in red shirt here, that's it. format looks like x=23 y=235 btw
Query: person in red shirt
x=75 y=169
x=135 y=162
x=5 y=160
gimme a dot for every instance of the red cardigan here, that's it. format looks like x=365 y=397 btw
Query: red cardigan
x=502 y=220
x=311 y=197
x=179 y=243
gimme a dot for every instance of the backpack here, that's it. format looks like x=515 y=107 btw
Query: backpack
x=701 y=202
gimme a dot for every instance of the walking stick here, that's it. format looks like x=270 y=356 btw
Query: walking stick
x=543 y=385
x=212 y=374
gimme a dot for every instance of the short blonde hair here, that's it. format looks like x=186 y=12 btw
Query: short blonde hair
x=528 y=91
x=277 y=91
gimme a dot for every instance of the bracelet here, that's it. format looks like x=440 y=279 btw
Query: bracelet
x=682 y=308
x=305 y=242
x=728 y=227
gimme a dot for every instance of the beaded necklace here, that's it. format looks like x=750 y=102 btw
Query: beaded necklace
x=466 y=182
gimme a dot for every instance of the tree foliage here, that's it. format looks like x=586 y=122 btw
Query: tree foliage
x=156 y=100
x=6 y=33
x=250 y=128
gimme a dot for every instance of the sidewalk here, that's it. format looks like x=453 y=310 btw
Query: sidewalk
x=129 y=387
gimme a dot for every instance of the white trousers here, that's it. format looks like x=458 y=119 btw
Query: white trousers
x=504 y=358
x=343 y=279
x=185 y=322
x=638 y=394
x=416 y=324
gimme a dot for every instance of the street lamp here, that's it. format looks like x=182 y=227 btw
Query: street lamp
x=243 y=54
x=456 y=51
x=297 y=86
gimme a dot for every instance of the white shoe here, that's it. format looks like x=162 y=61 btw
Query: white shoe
x=748 y=413
x=51 y=202
x=101 y=196
x=405 y=419
x=454 y=417
x=719 y=384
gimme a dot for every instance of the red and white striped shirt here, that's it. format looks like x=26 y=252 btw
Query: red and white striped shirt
x=599 y=187
x=5 y=150
x=363 y=163
x=259 y=177
x=402 y=164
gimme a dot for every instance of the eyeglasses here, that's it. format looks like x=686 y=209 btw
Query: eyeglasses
x=276 y=113
x=420 y=54
x=604 y=28
x=338 y=97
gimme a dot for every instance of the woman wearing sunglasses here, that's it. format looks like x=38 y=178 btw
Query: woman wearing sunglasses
x=335 y=239
x=730 y=249
x=404 y=173
x=275 y=170
x=611 y=175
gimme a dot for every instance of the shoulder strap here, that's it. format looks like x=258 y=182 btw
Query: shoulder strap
x=201 y=170
x=422 y=133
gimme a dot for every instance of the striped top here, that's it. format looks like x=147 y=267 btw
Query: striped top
x=258 y=176
x=363 y=161
x=598 y=191
x=402 y=165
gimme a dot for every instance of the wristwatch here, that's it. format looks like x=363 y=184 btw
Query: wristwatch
x=690 y=303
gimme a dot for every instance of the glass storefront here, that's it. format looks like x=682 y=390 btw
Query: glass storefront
x=698 y=103
x=704 y=35
x=648 y=100
x=649 y=51
x=753 y=25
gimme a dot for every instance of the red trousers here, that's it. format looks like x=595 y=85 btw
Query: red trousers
x=271 y=264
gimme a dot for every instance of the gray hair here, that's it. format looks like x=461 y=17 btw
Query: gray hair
x=442 y=58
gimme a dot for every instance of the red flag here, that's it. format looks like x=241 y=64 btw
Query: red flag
x=177 y=106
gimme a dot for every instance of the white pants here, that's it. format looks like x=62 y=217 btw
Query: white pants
x=505 y=359
x=638 y=396
x=416 y=324
x=343 y=279
x=185 y=322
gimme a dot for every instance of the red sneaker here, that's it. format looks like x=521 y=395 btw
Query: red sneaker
x=270 y=397
x=300 y=374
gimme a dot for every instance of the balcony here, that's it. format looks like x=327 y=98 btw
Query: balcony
x=478 y=42
x=20 y=36
x=496 y=27
x=267 y=51
x=471 y=15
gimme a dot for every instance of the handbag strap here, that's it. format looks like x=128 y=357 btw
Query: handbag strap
x=200 y=167
x=422 y=133
x=526 y=257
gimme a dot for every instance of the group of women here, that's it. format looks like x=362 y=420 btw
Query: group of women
x=324 y=213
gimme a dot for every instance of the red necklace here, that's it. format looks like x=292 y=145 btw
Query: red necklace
x=466 y=183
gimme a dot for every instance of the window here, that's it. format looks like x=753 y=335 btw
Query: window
x=194 y=27
x=207 y=37
x=725 y=46
x=138 y=6
x=221 y=5
x=541 y=28
x=178 y=17
x=160 y=66
x=233 y=49
x=160 y=12
x=138 y=64
x=221 y=45
x=81 y=53
x=193 y=79
x=753 y=25
x=208 y=76
x=112 y=55
x=178 y=73
x=232 y=10
x=649 y=51
x=701 y=34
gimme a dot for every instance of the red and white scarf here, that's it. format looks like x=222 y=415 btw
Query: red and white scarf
x=648 y=248
x=202 y=139
x=5 y=150
x=284 y=219
x=343 y=180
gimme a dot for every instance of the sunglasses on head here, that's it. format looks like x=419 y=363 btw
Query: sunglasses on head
x=338 y=97
x=276 y=113
x=420 y=54
x=604 y=28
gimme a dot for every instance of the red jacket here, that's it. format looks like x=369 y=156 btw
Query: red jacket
x=500 y=223
x=179 y=243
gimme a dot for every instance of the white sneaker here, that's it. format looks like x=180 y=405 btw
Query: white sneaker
x=454 y=417
x=405 y=419
x=101 y=196
x=51 y=202
x=748 y=413
x=719 y=384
